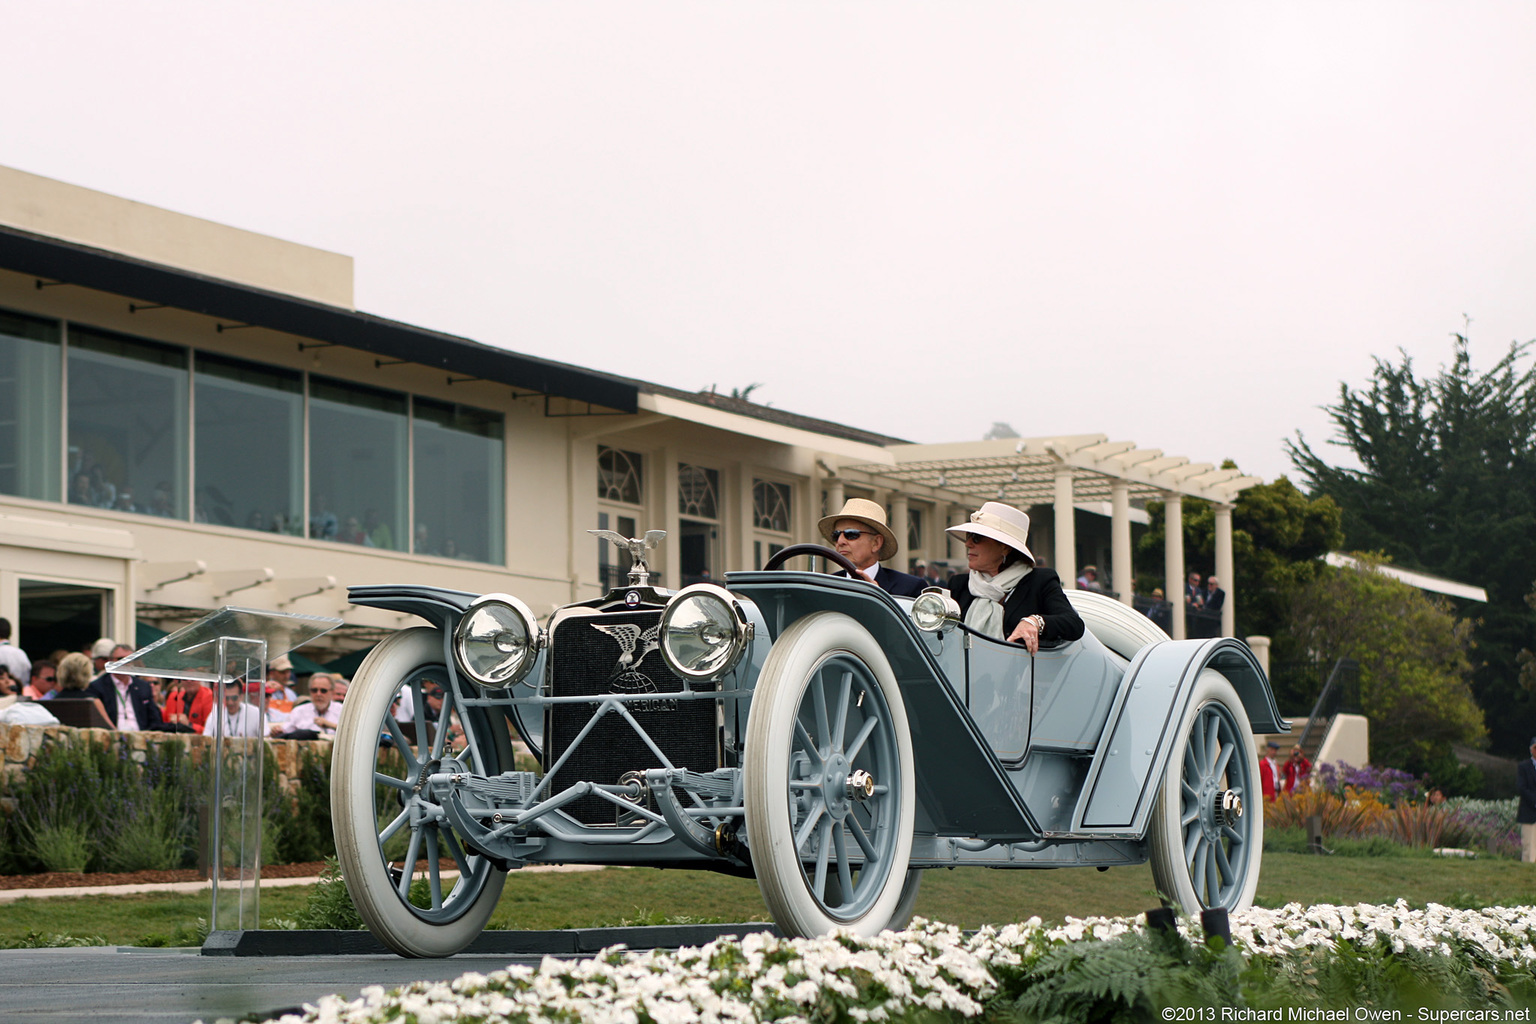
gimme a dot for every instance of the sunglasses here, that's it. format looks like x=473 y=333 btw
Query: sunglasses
x=850 y=534
x=319 y=689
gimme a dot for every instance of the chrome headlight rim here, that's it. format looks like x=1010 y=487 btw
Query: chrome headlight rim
x=935 y=611
x=523 y=617
x=741 y=632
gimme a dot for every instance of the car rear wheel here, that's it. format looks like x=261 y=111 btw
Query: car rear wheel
x=1207 y=832
x=387 y=821
x=828 y=782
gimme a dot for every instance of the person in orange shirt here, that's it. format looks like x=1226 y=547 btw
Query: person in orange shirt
x=188 y=706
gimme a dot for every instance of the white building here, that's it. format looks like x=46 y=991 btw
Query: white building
x=192 y=415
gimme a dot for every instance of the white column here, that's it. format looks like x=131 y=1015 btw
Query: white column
x=1173 y=560
x=1123 y=574
x=1066 y=529
x=900 y=509
x=672 y=561
x=954 y=547
x=1260 y=647
x=835 y=497
x=1224 y=569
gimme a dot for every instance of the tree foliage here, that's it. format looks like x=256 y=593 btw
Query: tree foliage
x=1447 y=483
x=1278 y=537
x=1415 y=670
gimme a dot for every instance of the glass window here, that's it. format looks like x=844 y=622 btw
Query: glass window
x=697 y=491
x=609 y=570
x=770 y=505
x=915 y=530
x=459 y=464
x=31 y=368
x=250 y=445
x=127 y=423
x=619 y=476
x=357 y=464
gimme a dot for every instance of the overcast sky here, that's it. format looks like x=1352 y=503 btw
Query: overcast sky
x=1181 y=224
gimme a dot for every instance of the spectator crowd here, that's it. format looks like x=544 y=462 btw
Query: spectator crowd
x=304 y=709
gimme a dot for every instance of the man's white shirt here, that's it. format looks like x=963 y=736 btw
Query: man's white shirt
x=245 y=722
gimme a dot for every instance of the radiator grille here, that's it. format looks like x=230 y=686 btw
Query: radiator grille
x=616 y=653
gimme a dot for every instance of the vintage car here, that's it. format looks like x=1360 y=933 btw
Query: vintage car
x=805 y=729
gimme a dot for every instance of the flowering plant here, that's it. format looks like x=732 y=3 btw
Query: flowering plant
x=1084 y=969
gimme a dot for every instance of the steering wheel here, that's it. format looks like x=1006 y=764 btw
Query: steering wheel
x=777 y=560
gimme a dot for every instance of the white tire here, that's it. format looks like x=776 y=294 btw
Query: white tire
x=829 y=785
x=1204 y=849
x=1117 y=626
x=436 y=922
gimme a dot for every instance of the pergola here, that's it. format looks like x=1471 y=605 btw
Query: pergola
x=1063 y=471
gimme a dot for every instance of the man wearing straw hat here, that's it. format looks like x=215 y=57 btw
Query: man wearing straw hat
x=859 y=534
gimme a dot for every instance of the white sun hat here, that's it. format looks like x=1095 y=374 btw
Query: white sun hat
x=1003 y=523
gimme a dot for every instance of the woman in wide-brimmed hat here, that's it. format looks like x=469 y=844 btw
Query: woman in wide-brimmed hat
x=1005 y=594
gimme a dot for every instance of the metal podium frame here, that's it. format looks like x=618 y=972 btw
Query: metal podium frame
x=226 y=647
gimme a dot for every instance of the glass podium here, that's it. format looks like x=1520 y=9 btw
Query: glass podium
x=228 y=650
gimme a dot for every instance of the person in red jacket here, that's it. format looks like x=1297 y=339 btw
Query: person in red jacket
x=188 y=706
x=1296 y=768
x=1268 y=770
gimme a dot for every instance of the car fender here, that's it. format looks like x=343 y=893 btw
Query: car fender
x=1140 y=732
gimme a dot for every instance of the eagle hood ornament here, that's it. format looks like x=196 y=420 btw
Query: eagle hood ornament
x=639 y=572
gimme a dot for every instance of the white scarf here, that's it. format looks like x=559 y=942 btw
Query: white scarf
x=985 y=615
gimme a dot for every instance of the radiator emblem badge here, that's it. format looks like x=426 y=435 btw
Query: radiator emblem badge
x=626 y=676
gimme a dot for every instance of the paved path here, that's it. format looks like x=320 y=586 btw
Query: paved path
x=132 y=985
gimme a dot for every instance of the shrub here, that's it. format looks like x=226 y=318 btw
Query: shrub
x=329 y=904
x=152 y=834
x=303 y=820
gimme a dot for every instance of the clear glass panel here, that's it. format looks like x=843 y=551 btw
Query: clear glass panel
x=127 y=423
x=619 y=475
x=31 y=365
x=250 y=445
x=192 y=652
x=357 y=454
x=697 y=491
x=459 y=471
x=771 y=505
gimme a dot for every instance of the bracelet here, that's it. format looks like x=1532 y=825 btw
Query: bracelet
x=1039 y=621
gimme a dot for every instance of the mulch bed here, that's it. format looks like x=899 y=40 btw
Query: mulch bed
x=62 y=879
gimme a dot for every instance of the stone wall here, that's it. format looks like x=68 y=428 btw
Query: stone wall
x=21 y=744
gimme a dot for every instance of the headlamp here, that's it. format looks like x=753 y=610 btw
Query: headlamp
x=497 y=640
x=704 y=632
x=934 y=611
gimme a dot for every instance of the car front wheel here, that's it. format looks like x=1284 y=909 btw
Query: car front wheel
x=828 y=781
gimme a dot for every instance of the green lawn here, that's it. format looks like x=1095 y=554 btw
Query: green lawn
x=968 y=897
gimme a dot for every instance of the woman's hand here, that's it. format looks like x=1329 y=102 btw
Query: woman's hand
x=1026 y=633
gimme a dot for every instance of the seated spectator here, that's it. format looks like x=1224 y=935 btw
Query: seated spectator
x=74 y=676
x=236 y=716
x=128 y=700
x=1089 y=580
x=280 y=671
x=1161 y=611
x=339 y=686
x=188 y=707
x=9 y=687
x=432 y=694
x=44 y=681
x=316 y=719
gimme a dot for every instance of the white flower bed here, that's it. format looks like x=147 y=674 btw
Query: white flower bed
x=931 y=965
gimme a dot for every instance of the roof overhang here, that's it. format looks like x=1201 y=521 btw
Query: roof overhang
x=242 y=305
x=1422 y=580
x=1023 y=471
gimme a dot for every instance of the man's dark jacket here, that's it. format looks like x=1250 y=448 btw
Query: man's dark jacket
x=897 y=584
x=144 y=710
x=1525 y=776
x=1039 y=593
